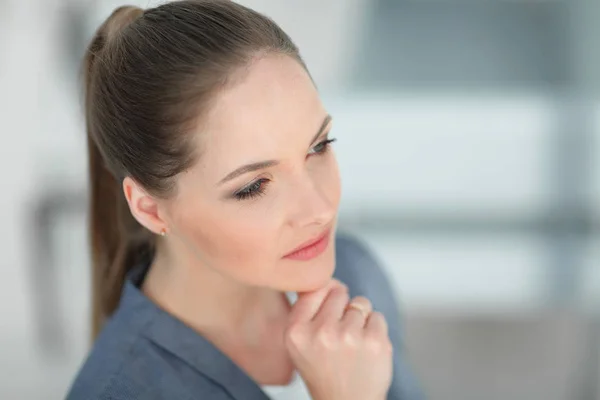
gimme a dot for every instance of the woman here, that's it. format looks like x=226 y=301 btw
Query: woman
x=215 y=193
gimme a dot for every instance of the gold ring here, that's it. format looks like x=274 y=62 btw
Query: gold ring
x=360 y=308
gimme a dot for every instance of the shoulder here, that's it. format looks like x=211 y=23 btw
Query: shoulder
x=358 y=266
x=125 y=365
x=348 y=245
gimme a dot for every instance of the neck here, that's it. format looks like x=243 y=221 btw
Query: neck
x=212 y=304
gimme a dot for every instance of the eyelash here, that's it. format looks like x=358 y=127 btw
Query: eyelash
x=257 y=188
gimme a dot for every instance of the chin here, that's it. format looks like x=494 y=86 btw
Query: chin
x=312 y=276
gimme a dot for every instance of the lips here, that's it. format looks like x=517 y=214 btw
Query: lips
x=311 y=248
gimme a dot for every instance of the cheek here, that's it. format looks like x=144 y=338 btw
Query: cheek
x=230 y=239
x=328 y=177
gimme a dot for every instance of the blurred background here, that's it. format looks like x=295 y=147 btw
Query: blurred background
x=469 y=145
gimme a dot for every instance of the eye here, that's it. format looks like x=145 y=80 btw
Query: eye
x=254 y=189
x=321 y=147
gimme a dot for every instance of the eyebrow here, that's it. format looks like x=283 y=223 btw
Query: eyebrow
x=321 y=129
x=269 y=163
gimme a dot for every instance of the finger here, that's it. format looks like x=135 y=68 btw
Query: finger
x=308 y=303
x=334 y=305
x=376 y=325
x=357 y=313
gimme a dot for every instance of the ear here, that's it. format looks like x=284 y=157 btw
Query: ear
x=144 y=208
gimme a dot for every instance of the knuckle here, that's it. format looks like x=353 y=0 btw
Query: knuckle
x=339 y=284
x=350 y=339
x=362 y=300
x=378 y=315
x=387 y=346
x=377 y=345
x=379 y=319
x=297 y=335
x=327 y=337
x=342 y=293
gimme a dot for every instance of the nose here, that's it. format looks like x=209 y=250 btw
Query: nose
x=310 y=204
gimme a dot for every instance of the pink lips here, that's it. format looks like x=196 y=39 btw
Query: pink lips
x=310 y=249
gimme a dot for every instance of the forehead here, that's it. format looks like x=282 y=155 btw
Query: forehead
x=274 y=107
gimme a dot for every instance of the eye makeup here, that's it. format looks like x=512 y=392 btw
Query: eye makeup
x=258 y=187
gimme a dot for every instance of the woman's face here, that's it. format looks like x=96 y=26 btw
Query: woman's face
x=266 y=183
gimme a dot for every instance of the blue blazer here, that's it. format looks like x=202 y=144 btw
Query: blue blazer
x=145 y=353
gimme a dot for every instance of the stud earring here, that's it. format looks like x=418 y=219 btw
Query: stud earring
x=163 y=232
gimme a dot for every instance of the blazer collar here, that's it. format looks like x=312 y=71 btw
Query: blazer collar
x=186 y=344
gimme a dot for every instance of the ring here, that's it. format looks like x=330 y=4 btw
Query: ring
x=360 y=308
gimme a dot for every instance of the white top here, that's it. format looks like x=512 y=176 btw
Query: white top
x=297 y=389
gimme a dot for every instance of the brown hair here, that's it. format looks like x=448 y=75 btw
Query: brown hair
x=149 y=75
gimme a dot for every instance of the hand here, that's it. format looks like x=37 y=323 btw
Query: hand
x=340 y=348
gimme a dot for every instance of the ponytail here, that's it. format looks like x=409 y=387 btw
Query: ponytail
x=117 y=240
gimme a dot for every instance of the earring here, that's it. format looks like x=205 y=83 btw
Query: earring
x=163 y=232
